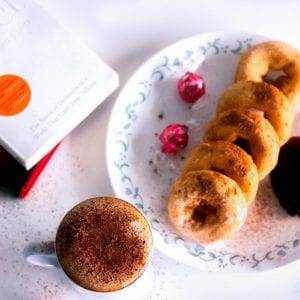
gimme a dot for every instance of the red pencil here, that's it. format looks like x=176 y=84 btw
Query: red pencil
x=37 y=170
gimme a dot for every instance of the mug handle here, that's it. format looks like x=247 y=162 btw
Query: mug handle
x=41 y=254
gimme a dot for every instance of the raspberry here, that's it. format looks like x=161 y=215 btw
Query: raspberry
x=191 y=87
x=174 y=138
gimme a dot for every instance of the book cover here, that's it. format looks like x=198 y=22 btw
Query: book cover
x=49 y=81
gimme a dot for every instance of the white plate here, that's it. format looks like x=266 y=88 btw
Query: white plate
x=142 y=175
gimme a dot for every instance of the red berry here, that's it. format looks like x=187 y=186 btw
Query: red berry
x=191 y=87
x=174 y=138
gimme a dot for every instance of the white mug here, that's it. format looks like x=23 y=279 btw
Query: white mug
x=44 y=255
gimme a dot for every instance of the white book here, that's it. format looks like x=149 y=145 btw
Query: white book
x=49 y=81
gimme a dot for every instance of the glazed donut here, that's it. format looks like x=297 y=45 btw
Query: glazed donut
x=206 y=206
x=227 y=159
x=261 y=96
x=249 y=130
x=255 y=63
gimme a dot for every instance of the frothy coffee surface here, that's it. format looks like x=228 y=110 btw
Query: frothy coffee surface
x=104 y=244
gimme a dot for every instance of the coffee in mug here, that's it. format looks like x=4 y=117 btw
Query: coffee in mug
x=104 y=244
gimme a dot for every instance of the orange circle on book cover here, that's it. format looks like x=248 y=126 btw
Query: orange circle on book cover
x=15 y=95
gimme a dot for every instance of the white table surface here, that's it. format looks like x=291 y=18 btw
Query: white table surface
x=125 y=33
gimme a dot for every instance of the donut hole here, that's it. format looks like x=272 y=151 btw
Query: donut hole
x=205 y=213
x=213 y=168
x=273 y=75
x=244 y=144
x=258 y=111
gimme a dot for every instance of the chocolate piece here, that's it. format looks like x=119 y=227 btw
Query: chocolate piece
x=12 y=175
x=285 y=178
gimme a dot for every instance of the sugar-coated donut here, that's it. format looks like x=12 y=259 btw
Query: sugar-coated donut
x=261 y=96
x=254 y=117
x=206 y=206
x=228 y=159
x=256 y=62
x=249 y=130
x=282 y=83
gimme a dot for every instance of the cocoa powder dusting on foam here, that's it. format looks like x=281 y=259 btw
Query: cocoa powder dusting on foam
x=103 y=246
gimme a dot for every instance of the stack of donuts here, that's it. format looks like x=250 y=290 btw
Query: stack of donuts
x=254 y=117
